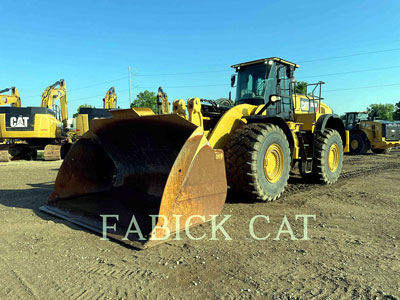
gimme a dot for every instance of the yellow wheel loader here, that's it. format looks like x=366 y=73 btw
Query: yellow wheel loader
x=39 y=128
x=366 y=133
x=143 y=179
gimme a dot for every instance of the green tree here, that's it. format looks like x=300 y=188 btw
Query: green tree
x=146 y=99
x=396 y=114
x=301 y=87
x=81 y=106
x=382 y=111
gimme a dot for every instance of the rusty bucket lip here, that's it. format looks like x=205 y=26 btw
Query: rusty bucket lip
x=96 y=227
x=92 y=225
x=196 y=138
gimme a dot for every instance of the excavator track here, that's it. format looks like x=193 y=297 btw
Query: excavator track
x=52 y=152
x=4 y=156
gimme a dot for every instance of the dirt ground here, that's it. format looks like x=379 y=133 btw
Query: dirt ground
x=353 y=251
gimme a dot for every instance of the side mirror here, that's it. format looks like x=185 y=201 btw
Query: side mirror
x=275 y=98
x=233 y=79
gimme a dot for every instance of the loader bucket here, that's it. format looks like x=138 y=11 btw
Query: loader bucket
x=142 y=166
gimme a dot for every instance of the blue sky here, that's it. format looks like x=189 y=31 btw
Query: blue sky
x=92 y=43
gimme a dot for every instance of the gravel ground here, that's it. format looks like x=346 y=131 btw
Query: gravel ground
x=353 y=251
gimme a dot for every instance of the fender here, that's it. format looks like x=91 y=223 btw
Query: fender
x=331 y=121
x=273 y=120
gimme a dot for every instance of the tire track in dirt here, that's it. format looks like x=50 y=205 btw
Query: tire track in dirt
x=294 y=188
x=122 y=273
x=21 y=289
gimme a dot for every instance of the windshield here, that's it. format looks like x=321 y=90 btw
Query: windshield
x=253 y=83
x=362 y=117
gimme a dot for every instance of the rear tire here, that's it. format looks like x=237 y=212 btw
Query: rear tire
x=328 y=157
x=258 y=161
x=358 y=145
x=381 y=151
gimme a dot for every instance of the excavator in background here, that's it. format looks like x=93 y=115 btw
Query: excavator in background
x=110 y=100
x=159 y=174
x=39 y=128
x=162 y=102
x=368 y=133
x=86 y=114
x=14 y=100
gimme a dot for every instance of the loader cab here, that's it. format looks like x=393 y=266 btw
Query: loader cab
x=353 y=119
x=258 y=80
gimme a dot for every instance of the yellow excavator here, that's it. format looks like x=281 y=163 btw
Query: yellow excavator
x=40 y=128
x=110 y=100
x=147 y=177
x=86 y=114
x=14 y=100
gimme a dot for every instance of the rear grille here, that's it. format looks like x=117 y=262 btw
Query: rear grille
x=392 y=132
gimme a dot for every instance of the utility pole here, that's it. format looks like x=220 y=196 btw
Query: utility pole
x=130 y=99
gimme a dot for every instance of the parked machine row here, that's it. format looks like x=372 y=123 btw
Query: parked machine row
x=140 y=163
x=29 y=129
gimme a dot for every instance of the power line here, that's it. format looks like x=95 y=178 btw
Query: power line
x=183 y=86
x=362 y=87
x=220 y=71
x=97 y=84
x=348 y=55
x=351 y=72
x=183 y=73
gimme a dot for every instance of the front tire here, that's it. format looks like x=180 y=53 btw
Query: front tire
x=358 y=145
x=328 y=157
x=258 y=161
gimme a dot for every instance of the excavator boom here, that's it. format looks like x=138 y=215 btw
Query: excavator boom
x=14 y=99
x=110 y=100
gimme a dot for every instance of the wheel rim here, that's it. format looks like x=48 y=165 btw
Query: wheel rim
x=334 y=157
x=354 y=144
x=273 y=163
